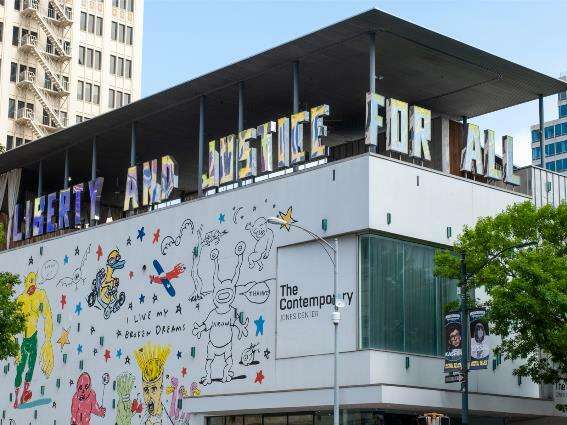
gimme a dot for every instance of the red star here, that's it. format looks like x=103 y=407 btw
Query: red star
x=131 y=274
x=99 y=253
x=156 y=237
x=184 y=371
x=63 y=301
x=107 y=355
x=259 y=377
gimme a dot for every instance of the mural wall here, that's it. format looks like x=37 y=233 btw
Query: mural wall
x=128 y=320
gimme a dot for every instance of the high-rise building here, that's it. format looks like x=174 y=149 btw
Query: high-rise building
x=555 y=137
x=65 y=61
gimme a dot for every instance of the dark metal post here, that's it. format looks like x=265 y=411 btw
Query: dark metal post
x=66 y=181
x=133 y=135
x=372 y=60
x=295 y=87
x=541 y=131
x=201 y=146
x=464 y=344
x=93 y=160
x=372 y=73
x=240 y=128
x=40 y=179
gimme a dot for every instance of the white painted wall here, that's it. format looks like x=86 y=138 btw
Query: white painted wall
x=363 y=189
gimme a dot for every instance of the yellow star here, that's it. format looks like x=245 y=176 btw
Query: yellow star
x=63 y=339
x=288 y=218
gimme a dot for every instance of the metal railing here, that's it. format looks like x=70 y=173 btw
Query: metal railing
x=30 y=4
x=27 y=76
x=25 y=113
x=28 y=40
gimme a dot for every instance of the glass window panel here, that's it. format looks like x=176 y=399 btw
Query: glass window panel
x=99 y=26
x=535 y=135
x=253 y=420
x=401 y=300
x=121 y=33
x=79 y=90
x=11 y=108
x=88 y=91
x=81 y=55
x=98 y=60
x=129 y=35
x=110 y=98
x=9 y=142
x=91 y=23
x=120 y=67
x=114 y=30
x=557 y=130
x=90 y=57
x=275 y=420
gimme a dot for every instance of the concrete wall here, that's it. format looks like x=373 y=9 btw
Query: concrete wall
x=238 y=345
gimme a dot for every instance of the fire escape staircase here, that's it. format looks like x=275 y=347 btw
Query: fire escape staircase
x=25 y=116
x=27 y=81
x=60 y=16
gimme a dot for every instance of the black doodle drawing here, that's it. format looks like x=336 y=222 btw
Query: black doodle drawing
x=236 y=212
x=211 y=237
x=169 y=240
x=264 y=237
x=248 y=357
x=257 y=292
x=223 y=319
x=77 y=278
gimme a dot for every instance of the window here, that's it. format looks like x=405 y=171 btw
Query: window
x=562 y=111
x=563 y=95
x=550 y=165
x=130 y=5
x=128 y=69
x=536 y=153
x=550 y=149
x=114 y=31
x=23 y=69
x=15 y=36
x=561 y=165
x=78 y=119
x=17 y=4
x=557 y=130
x=401 y=305
x=118 y=99
x=1 y=31
x=13 y=72
x=90 y=58
x=97 y=59
x=120 y=67
x=83 y=21
x=80 y=89
x=115 y=3
x=129 y=35
x=9 y=142
x=99 y=26
x=549 y=132
x=126 y=98
x=19 y=141
x=88 y=92
x=96 y=94
x=121 y=33
x=123 y=4
x=91 y=26
x=112 y=64
x=110 y=98
x=11 y=108
x=81 y=55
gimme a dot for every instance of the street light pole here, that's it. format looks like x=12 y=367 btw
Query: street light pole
x=336 y=316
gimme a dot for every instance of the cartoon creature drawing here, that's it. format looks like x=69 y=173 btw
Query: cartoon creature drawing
x=125 y=408
x=34 y=303
x=151 y=359
x=105 y=286
x=264 y=239
x=222 y=319
x=84 y=404
x=177 y=393
x=77 y=278
x=248 y=357
x=165 y=278
x=211 y=237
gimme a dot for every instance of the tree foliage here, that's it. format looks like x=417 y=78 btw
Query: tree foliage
x=11 y=317
x=527 y=286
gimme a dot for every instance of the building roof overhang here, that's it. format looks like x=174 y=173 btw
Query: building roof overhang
x=414 y=64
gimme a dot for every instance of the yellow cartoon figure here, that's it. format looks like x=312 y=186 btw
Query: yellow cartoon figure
x=151 y=359
x=105 y=286
x=34 y=303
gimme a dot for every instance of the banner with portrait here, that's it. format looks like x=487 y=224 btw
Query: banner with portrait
x=453 y=342
x=479 y=343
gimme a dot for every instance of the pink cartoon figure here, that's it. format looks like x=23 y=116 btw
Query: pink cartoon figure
x=84 y=402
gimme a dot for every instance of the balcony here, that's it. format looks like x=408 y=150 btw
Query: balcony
x=29 y=7
x=25 y=79
x=28 y=43
x=59 y=14
x=23 y=115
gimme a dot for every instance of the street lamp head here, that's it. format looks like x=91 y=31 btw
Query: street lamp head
x=277 y=220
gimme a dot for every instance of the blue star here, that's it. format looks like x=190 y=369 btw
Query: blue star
x=142 y=298
x=221 y=218
x=119 y=353
x=79 y=349
x=179 y=354
x=78 y=309
x=259 y=325
x=141 y=234
x=66 y=259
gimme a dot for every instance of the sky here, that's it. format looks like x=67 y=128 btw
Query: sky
x=187 y=38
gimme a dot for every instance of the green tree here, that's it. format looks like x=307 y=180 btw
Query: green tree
x=11 y=317
x=527 y=287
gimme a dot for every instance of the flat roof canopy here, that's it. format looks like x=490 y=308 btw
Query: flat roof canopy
x=413 y=64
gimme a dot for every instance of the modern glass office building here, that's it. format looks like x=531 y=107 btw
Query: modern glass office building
x=162 y=291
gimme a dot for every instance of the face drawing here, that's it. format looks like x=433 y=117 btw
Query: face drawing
x=151 y=359
x=84 y=387
x=152 y=396
x=225 y=290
